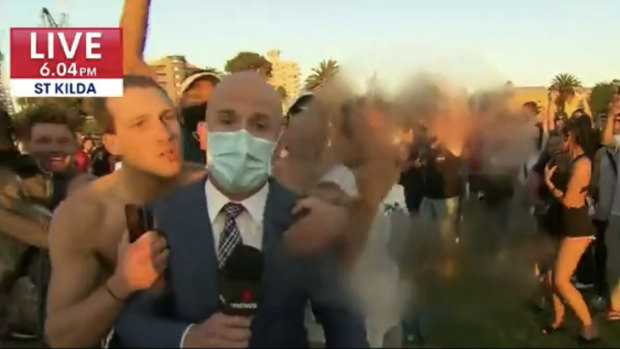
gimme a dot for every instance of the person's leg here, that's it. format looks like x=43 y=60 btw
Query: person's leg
x=558 y=305
x=545 y=249
x=612 y=236
x=426 y=211
x=427 y=218
x=585 y=268
x=556 y=300
x=600 y=259
x=571 y=250
x=447 y=215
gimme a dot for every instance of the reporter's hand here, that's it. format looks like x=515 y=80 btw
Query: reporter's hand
x=219 y=331
x=139 y=264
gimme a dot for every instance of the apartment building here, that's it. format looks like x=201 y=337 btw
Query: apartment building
x=170 y=71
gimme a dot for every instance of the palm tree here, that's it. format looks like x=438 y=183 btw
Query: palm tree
x=325 y=71
x=566 y=84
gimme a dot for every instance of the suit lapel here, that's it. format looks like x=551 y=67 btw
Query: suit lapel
x=277 y=218
x=198 y=235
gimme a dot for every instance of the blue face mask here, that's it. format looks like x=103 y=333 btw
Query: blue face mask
x=238 y=161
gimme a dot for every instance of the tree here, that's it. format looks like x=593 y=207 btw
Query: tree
x=600 y=97
x=566 y=84
x=325 y=71
x=249 y=61
x=74 y=103
x=77 y=106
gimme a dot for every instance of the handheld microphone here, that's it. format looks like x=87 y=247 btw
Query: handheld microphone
x=139 y=221
x=240 y=282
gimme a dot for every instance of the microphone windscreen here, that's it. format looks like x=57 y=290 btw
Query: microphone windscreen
x=245 y=263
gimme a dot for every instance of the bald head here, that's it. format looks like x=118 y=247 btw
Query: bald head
x=244 y=100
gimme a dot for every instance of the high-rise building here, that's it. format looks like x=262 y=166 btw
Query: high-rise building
x=170 y=71
x=284 y=74
x=5 y=97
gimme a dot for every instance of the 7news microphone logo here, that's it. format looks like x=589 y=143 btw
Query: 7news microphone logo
x=66 y=62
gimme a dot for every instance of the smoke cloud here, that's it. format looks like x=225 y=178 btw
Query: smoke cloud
x=472 y=123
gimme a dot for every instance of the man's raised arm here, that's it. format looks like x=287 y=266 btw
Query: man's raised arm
x=134 y=22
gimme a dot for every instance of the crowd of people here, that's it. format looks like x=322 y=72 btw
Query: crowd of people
x=328 y=192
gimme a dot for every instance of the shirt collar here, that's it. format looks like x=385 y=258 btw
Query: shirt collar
x=255 y=204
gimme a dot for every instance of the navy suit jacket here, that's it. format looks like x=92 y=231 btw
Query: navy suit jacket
x=159 y=316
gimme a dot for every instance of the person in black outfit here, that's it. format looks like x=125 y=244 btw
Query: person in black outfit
x=442 y=189
x=546 y=207
x=196 y=90
x=412 y=178
x=101 y=163
x=575 y=228
x=546 y=211
x=191 y=117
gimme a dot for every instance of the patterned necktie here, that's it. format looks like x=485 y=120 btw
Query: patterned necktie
x=231 y=237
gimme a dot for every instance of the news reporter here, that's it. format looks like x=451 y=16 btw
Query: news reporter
x=238 y=205
x=329 y=222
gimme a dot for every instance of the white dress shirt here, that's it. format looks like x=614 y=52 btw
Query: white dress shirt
x=249 y=222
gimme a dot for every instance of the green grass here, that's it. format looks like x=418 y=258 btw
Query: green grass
x=487 y=302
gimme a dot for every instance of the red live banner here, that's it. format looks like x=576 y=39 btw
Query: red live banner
x=59 y=62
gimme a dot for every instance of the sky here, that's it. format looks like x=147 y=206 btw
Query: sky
x=476 y=43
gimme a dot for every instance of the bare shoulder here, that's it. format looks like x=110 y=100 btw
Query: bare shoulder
x=583 y=166
x=191 y=172
x=584 y=162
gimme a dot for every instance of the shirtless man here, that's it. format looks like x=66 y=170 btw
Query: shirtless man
x=94 y=267
x=92 y=272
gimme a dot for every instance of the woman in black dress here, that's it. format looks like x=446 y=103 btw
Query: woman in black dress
x=576 y=229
